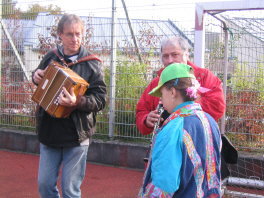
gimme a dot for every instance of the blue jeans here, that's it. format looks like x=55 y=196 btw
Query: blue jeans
x=73 y=163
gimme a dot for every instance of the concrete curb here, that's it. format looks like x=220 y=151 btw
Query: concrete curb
x=106 y=152
x=123 y=154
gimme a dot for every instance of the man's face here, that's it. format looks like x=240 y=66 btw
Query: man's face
x=71 y=38
x=173 y=54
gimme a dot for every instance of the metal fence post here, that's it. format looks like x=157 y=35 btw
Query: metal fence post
x=132 y=32
x=225 y=28
x=222 y=127
x=112 y=72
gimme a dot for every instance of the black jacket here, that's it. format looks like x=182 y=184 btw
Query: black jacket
x=84 y=116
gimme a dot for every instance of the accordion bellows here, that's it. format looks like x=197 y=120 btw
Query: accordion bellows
x=55 y=78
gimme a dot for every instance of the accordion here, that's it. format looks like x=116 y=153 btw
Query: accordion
x=49 y=89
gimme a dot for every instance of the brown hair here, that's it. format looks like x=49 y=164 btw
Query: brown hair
x=181 y=85
x=68 y=19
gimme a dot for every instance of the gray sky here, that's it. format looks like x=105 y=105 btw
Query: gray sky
x=155 y=9
x=147 y=9
x=181 y=11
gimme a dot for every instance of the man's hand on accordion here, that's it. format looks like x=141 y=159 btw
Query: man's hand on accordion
x=38 y=75
x=68 y=99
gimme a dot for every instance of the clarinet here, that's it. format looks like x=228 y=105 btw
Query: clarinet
x=156 y=126
x=160 y=111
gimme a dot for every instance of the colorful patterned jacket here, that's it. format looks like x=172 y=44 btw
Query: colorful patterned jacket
x=185 y=157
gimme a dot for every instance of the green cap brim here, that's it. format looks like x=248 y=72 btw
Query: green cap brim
x=172 y=71
x=156 y=91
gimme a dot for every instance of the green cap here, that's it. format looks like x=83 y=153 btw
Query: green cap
x=172 y=71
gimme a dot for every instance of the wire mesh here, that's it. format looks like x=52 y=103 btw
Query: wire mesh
x=32 y=35
x=244 y=95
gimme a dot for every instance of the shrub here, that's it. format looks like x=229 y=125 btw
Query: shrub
x=245 y=107
x=130 y=78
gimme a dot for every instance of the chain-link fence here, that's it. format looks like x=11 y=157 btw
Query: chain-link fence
x=26 y=38
x=27 y=35
x=244 y=93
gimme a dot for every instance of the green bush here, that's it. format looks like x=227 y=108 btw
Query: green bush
x=245 y=111
x=130 y=82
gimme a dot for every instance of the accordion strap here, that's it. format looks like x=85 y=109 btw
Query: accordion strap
x=83 y=59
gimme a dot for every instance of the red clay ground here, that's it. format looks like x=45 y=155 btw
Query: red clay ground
x=18 y=178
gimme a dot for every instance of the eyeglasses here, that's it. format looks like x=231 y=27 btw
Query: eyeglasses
x=72 y=35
